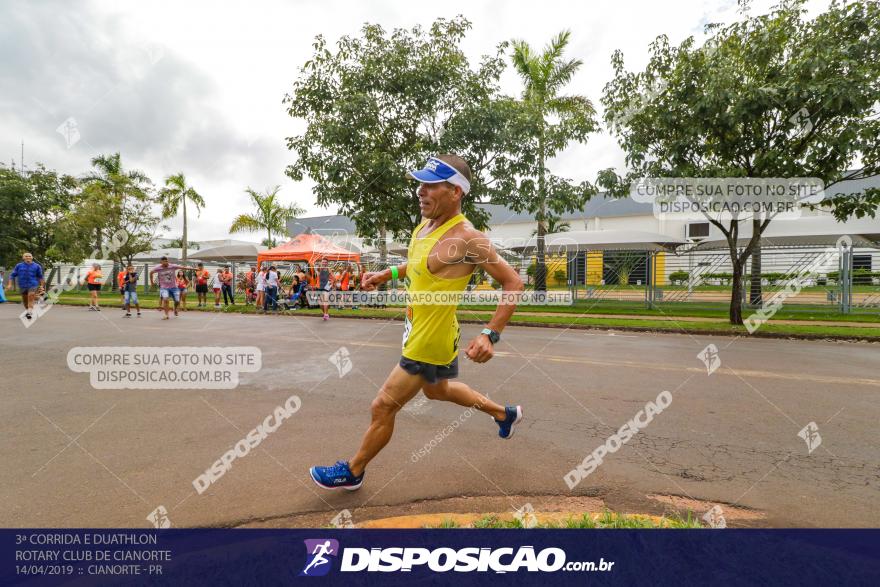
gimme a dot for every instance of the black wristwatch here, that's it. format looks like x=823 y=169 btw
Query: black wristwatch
x=494 y=337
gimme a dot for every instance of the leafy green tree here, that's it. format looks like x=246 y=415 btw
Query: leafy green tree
x=270 y=215
x=125 y=225
x=548 y=121
x=31 y=206
x=113 y=216
x=113 y=184
x=770 y=96
x=174 y=197
x=380 y=104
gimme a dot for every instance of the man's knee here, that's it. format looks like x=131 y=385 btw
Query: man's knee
x=383 y=406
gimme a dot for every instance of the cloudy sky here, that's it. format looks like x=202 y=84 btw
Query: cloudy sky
x=197 y=86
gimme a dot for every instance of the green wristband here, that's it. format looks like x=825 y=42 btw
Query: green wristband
x=394 y=272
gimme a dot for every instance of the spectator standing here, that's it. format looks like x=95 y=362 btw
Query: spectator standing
x=182 y=285
x=250 y=285
x=217 y=286
x=325 y=284
x=202 y=278
x=271 y=289
x=261 y=289
x=120 y=283
x=228 y=287
x=94 y=281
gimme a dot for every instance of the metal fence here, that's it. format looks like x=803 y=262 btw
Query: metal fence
x=75 y=275
x=805 y=278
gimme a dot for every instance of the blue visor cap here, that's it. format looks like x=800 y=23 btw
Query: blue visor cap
x=436 y=171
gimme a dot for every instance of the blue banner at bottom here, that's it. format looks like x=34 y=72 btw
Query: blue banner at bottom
x=439 y=557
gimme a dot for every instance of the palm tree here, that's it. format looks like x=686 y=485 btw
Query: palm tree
x=554 y=224
x=544 y=75
x=174 y=196
x=177 y=243
x=110 y=181
x=270 y=215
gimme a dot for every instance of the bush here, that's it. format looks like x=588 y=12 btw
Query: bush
x=859 y=276
x=560 y=276
x=724 y=278
x=679 y=277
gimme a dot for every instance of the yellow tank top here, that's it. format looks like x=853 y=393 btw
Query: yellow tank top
x=431 y=331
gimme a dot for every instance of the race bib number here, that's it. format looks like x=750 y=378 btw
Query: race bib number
x=407 y=325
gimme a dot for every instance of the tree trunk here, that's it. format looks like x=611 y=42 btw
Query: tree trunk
x=540 y=261
x=383 y=245
x=183 y=242
x=383 y=252
x=736 y=293
x=99 y=240
x=755 y=292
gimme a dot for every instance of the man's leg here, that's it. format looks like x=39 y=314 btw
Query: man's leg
x=463 y=395
x=32 y=294
x=399 y=388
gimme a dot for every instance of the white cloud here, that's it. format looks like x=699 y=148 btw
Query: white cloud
x=197 y=86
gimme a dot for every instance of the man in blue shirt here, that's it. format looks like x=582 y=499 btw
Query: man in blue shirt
x=30 y=278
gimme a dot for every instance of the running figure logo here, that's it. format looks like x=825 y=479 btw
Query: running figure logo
x=810 y=434
x=317 y=550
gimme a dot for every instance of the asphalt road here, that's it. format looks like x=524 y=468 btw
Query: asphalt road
x=79 y=456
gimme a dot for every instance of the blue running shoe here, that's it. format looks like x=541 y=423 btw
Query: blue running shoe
x=339 y=475
x=514 y=417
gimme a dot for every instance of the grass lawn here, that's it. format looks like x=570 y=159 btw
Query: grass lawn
x=698 y=310
x=606 y=520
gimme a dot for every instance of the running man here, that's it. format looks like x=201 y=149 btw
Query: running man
x=444 y=251
x=29 y=275
x=320 y=550
x=167 y=274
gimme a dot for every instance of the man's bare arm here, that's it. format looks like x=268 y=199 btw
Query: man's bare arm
x=371 y=279
x=482 y=253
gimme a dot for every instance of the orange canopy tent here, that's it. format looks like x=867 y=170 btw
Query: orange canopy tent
x=309 y=248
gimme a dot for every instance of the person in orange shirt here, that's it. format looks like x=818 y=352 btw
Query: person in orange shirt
x=201 y=278
x=120 y=283
x=343 y=280
x=346 y=277
x=182 y=284
x=94 y=281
